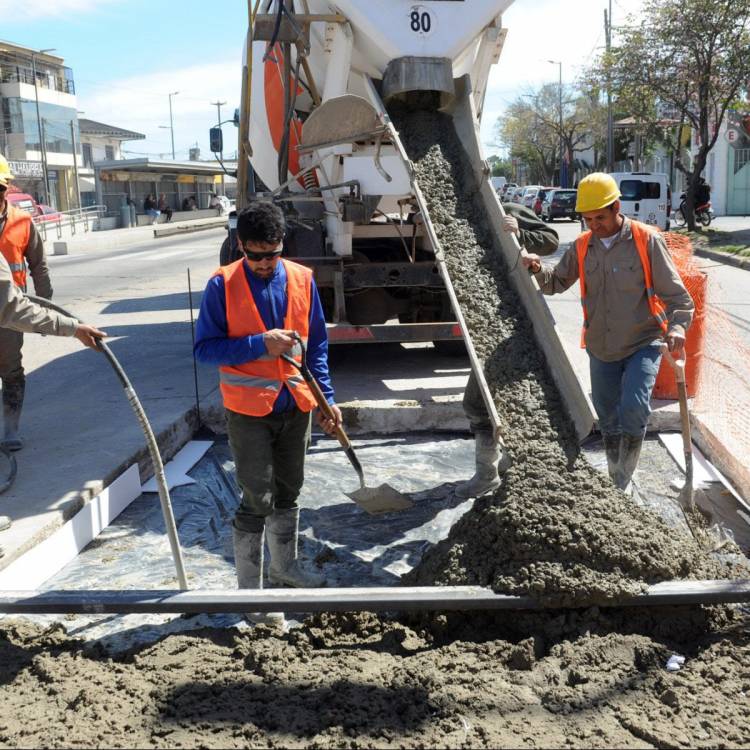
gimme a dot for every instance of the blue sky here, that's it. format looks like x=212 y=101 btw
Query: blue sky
x=128 y=55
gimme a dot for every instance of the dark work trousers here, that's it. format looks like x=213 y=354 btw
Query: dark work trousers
x=475 y=409
x=11 y=342
x=269 y=455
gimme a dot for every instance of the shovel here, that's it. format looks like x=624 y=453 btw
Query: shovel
x=686 y=497
x=373 y=500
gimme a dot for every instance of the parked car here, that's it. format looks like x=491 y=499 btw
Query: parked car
x=517 y=195
x=559 y=203
x=507 y=189
x=540 y=195
x=646 y=196
x=38 y=211
x=530 y=195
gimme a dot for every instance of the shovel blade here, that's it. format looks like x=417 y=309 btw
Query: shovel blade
x=382 y=499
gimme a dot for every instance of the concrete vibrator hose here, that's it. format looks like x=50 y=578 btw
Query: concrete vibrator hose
x=153 y=448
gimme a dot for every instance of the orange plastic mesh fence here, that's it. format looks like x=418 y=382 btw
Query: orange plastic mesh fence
x=721 y=383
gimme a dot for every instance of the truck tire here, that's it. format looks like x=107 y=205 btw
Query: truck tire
x=450 y=348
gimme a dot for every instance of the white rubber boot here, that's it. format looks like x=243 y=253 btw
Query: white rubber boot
x=488 y=454
x=248 y=560
x=282 y=529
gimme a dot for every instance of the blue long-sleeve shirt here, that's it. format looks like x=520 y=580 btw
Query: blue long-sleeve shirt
x=214 y=346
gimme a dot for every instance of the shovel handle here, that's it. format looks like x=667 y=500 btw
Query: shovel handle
x=320 y=399
x=678 y=365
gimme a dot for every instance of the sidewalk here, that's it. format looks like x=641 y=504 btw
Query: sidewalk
x=110 y=239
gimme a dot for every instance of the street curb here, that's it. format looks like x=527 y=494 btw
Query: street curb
x=208 y=224
x=726 y=258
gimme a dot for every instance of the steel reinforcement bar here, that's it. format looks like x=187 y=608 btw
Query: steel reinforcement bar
x=384 y=599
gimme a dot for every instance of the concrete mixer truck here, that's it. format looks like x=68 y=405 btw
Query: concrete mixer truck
x=315 y=136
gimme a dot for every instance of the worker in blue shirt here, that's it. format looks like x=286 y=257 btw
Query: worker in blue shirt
x=249 y=313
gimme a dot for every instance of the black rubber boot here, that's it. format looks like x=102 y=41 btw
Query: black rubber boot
x=282 y=529
x=612 y=449
x=248 y=559
x=13 y=393
x=630 y=452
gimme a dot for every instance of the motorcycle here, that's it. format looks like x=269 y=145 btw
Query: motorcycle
x=703 y=213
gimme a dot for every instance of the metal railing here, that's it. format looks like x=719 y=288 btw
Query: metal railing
x=78 y=219
x=20 y=74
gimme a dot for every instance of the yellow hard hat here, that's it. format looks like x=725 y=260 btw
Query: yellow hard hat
x=5 y=175
x=597 y=190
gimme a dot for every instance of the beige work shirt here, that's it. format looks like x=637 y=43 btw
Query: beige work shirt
x=620 y=320
x=20 y=314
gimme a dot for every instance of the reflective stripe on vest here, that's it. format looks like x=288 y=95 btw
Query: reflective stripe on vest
x=252 y=388
x=13 y=243
x=641 y=236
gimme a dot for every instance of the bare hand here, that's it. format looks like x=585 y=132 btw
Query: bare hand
x=278 y=342
x=89 y=336
x=510 y=224
x=329 y=425
x=531 y=261
x=675 y=340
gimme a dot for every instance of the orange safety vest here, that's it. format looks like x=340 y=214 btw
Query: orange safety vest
x=13 y=243
x=641 y=234
x=252 y=388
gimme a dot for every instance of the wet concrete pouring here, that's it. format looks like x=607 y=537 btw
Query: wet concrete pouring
x=589 y=676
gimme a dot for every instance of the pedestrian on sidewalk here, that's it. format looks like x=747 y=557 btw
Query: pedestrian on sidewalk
x=633 y=301
x=150 y=207
x=533 y=234
x=22 y=247
x=19 y=314
x=249 y=312
x=165 y=208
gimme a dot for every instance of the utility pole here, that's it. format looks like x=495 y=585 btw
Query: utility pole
x=171 y=121
x=218 y=106
x=75 y=162
x=563 y=183
x=40 y=128
x=610 y=127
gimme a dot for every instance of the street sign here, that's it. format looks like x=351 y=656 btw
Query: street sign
x=26 y=169
x=732 y=135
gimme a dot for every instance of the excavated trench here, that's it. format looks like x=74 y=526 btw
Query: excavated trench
x=584 y=677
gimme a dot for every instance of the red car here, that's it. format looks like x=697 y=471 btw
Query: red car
x=38 y=211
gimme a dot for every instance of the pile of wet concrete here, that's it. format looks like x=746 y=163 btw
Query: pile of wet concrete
x=557 y=528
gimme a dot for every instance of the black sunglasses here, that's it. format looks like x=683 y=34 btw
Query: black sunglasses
x=3 y=188
x=262 y=256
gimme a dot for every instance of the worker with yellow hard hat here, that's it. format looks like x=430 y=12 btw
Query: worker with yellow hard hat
x=23 y=249
x=633 y=302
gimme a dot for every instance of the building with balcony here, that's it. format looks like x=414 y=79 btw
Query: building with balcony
x=38 y=123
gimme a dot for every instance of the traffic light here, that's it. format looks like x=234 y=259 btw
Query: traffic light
x=216 y=140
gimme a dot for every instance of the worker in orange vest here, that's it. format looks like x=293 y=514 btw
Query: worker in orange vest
x=633 y=302
x=21 y=246
x=249 y=314
x=18 y=313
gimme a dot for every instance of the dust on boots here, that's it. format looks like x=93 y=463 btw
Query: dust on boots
x=490 y=464
x=13 y=394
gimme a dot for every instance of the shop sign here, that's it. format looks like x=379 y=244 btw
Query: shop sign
x=31 y=169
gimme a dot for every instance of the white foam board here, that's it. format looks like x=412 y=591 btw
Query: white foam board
x=176 y=470
x=49 y=557
x=703 y=471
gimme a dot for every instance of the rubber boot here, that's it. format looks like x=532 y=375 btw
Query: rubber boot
x=13 y=393
x=612 y=449
x=487 y=477
x=630 y=452
x=282 y=528
x=248 y=559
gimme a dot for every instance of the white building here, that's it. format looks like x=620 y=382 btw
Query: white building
x=38 y=123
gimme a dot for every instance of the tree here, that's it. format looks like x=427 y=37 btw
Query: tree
x=682 y=62
x=500 y=167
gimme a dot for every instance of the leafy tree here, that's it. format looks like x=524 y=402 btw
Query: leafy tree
x=682 y=62
x=500 y=167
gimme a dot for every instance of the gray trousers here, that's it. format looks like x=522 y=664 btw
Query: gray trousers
x=269 y=455
x=474 y=407
x=11 y=342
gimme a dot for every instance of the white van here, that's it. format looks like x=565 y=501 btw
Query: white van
x=646 y=196
x=498 y=183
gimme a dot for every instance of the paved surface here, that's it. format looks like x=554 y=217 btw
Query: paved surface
x=80 y=429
